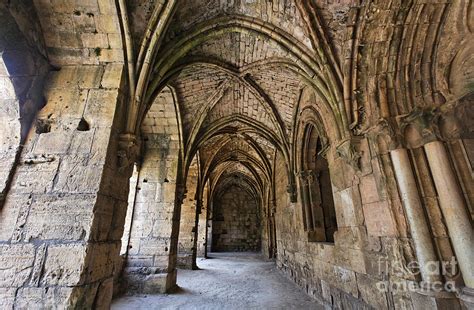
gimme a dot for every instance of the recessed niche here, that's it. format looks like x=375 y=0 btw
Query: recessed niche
x=43 y=126
x=83 y=125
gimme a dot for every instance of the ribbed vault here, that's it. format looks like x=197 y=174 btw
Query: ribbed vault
x=237 y=76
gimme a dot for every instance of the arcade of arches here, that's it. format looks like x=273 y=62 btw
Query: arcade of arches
x=334 y=137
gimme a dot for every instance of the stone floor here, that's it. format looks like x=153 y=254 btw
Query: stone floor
x=227 y=281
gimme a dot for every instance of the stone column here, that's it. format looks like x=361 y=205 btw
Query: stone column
x=315 y=202
x=419 y=228
x=306 y=201
x=196 y=233
x=454 y=209
x=312 y=200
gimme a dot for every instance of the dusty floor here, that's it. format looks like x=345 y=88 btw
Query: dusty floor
x=227 y=281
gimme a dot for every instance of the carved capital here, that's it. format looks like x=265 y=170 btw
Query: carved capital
x=180 y=194
x=128 y=150
x=457 y=120
x=349 y=154
x=302 y=175
x=308 y=176
x=419 y=127
x=387 y=135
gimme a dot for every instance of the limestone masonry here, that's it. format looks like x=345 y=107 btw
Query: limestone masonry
x=334 y=137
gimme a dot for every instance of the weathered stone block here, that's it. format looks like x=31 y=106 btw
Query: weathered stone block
x=351 y=237
x=369 y=292
x=68 y=223
x=77 y=175
x=378 y=219
x=348 y=207
x=101 y=106
x=36 y=178
x=113 y=75
x=53 y=143
x=9 y=215
x=64 y=265
x=63 y=102
x=100 y=261
x=17 y=263
x=76 y=76
x=368 y=189
x=7 y=298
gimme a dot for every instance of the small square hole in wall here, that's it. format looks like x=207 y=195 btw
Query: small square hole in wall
x=43 y=126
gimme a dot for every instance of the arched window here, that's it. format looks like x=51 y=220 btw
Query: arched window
x=316 y=191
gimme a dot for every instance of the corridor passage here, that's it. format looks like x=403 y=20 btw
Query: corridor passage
x=227 y=281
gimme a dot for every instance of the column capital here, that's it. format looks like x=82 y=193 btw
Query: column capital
x=347 y=151
x=419 y=126
x=446 y=123
x=180 y=193
x=128 y=150
x=305 y=175
x=387 y=135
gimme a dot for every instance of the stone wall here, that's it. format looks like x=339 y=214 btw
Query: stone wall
x=236 y=222
x=387 y=84
x=339 y=275
x=68 y=168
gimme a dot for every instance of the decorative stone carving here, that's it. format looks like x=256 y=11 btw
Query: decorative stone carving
x=387 y=135
x=446 y=123
x=464 y=111
x=180 y=194
x=128 y=151
x=419 y=127
x=347 y=151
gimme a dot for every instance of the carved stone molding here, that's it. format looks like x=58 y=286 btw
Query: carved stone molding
x=446 y=123
x=456 y=121
x=349 y=154
x=419 y=126
x=272 y=207
x=387 y=135
x=180 y=194
x=308 y=176
x=128 y=151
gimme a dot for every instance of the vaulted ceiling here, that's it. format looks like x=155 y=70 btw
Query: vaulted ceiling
x=238 y=69
x=234 y=85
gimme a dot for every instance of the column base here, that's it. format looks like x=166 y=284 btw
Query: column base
x=144 y=280
x=467 y=297
x=434 y=299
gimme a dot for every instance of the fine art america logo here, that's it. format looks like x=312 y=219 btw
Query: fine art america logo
x=440 y=275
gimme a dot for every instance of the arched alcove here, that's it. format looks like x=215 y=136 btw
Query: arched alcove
x=319 y=213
